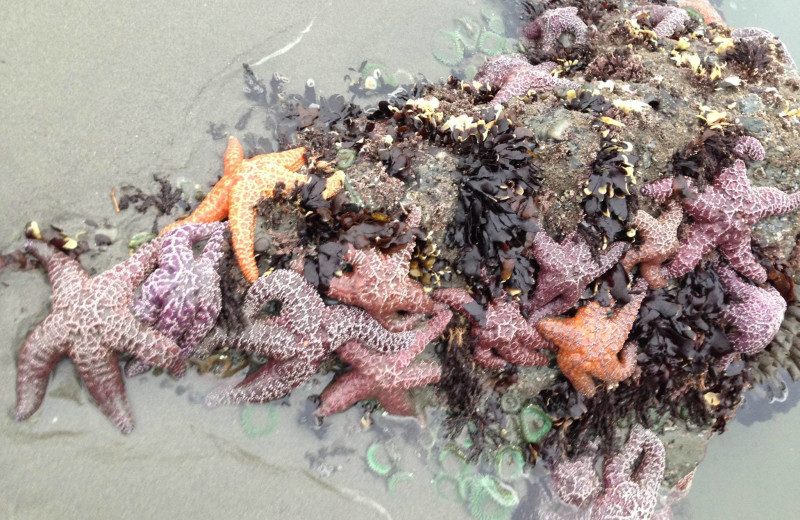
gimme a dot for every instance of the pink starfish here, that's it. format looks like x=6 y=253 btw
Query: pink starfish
x=385 y=377
x=564 y=272
x=506 y=336
x=516 y=76
x=724 y=215
x=380 y=284
x=91 y=321
x=668 y=19
x=553 y=23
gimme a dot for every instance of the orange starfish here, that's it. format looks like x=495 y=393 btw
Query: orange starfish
x=707 y=11
x=244 y=183
x=592 y=343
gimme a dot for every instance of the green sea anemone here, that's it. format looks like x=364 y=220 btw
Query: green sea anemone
x=380 y=459
x=535 y=424
x=510 y=463
x=491 y=499
x=397 y=478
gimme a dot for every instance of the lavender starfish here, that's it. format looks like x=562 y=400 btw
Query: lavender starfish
x=553 y=23
x=660 y=243
x=516 y=76
x=91 y=322
x=385 y=377
x=182 y=297
x=297 y=340
x=564 y=272
x=755 y=313
x=724 y=215
x=506 y=336
x=757 y=33
x=627 y=492
x=668 y=19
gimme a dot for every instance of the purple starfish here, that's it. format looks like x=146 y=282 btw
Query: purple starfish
x=757 y=33
x=297 y=340
x=668 y=19
x=91 y=322
x=564 y=272
x=660 y=243
x=755 y=313
x=505 y=338
x=553 y=23
x=385 y=377
x=629 y=490
x=516 y=76
x=724 y=215
x=182 y=297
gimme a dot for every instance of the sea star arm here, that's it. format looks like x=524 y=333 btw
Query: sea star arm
x=703 y=237
x=302 y=308
x=740 y=254
x=128 y=275
x=103 y=379
x=41 y=351
x=234 y=155
x=347 y=390
x=608 y=259
x=772 y=201
x=213 y=207
x=60 y=269
x=145 y=344
x=273 y=381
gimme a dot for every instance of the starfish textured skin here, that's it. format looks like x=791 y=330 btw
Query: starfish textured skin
x=244 y=183
x=552 y=24
x=660 y=238
x=303 y=335
x=385 y=377
x=592 y=344
x=379 y=283
x=506 y=337
x=516 y=76
x=182 y=297
x=668 y=19
x=724 y=215
x=755 y=313
x=564 y=272
x=91 y=321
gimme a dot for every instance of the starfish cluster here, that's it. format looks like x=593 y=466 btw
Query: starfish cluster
x=724 y=215
x=630 y=482
x=306 y=332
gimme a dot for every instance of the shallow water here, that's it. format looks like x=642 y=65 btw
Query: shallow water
x=96 y=97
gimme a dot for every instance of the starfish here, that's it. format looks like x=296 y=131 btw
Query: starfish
x=379 y=283
x=757 y=33
x=660 y=244
x=553 y=23
x=302 y=336
x=516 y=76
x=91 y=322
x=385 y=377
x=628 y=492
x=564 y=272
x=705 y=9
x=668 y=19
x=724 y=215
x=506 y=337
x=755 y=313
x=590 y=343
x=244 y=183
x=676 y=494
x=575 y=481
x=182 y=297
